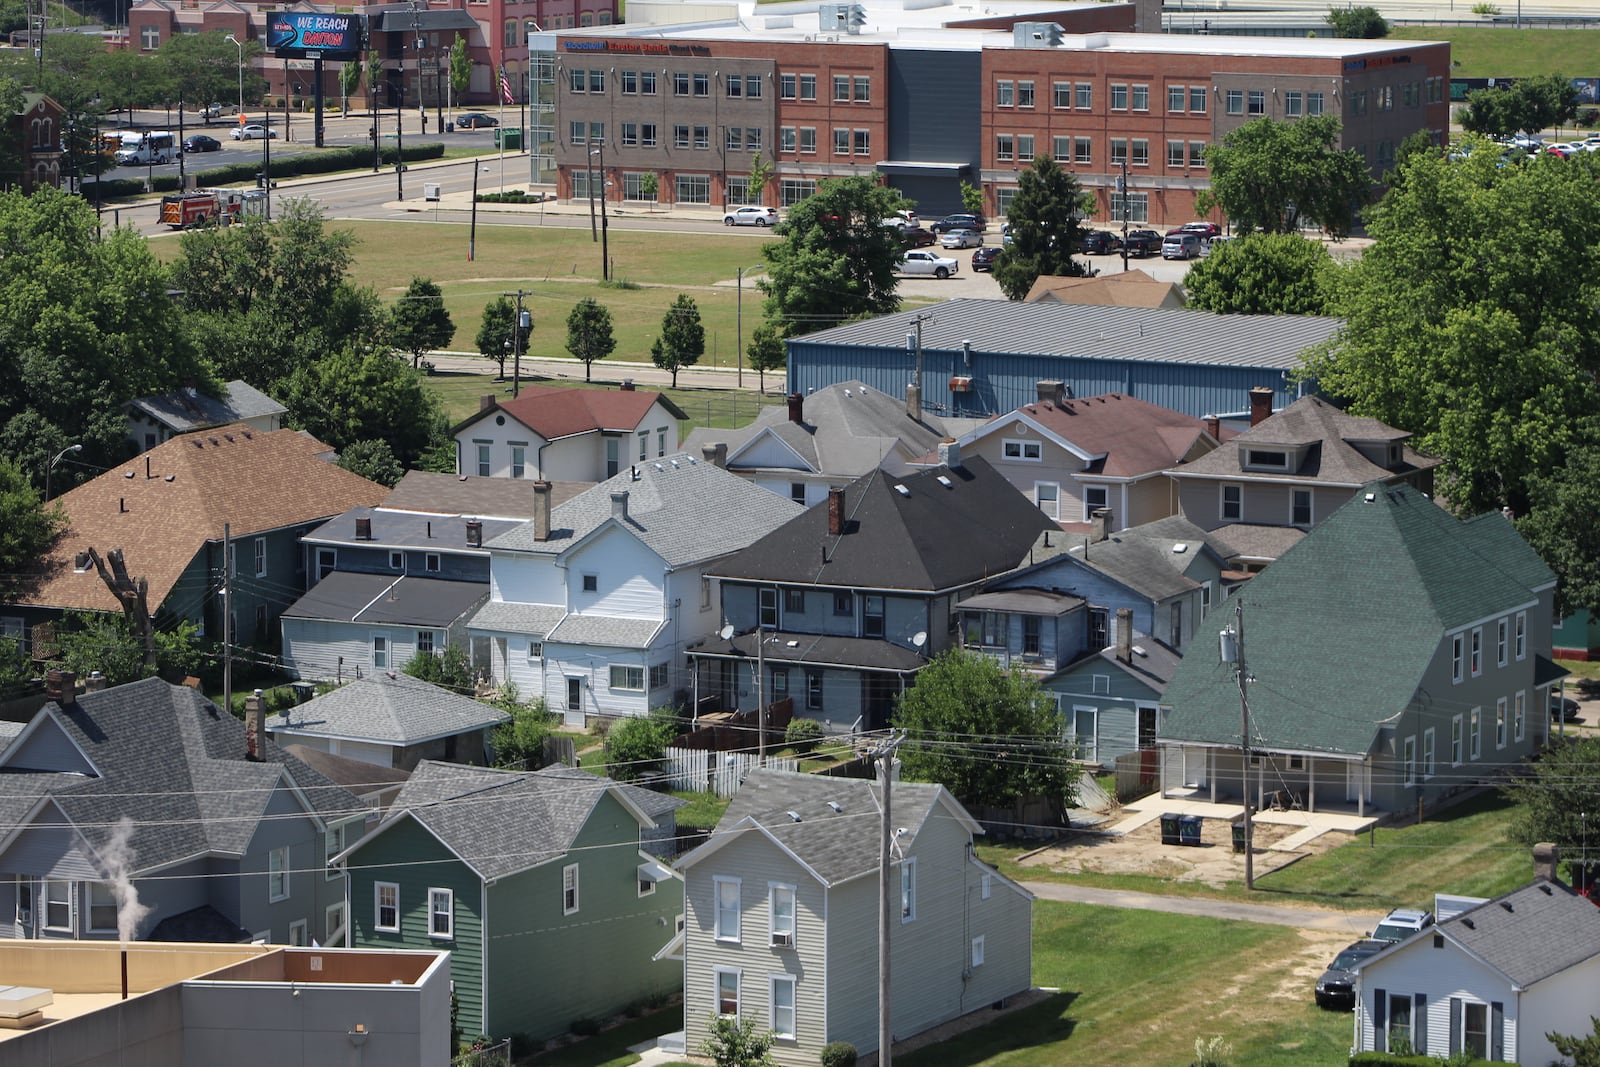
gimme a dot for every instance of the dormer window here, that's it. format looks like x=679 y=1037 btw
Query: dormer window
x=1269 y=459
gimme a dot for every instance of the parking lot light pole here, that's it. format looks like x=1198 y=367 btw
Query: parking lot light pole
x=231 y=39
x=605 y=248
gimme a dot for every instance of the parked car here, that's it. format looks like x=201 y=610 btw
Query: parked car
x=928 y=263
x=476 y=120
x=1181 y=245
x=983 y=258
x=916 y=237
x=1336 y=988
x=751 y=216
x=1204 y=229
x=1564 y=149
x=1143 y=242
x=1401 y=923
x=961 y=239
x=960 y=222
x=201 y=143
x=1563 y=709
x=211 y=111
x=253 y=132
x=1101 y=243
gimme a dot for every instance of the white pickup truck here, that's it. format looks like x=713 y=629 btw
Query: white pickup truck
x=921 y=261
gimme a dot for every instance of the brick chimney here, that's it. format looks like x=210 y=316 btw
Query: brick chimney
x=950 y=453
x=541 y=511
x=1051 y=392
x=1546 y=861
x=796 y=403
x=1214 y=426
x=1260 y=405
x=255 y=727
x=835 y=511
x=1125 y=635
x=475 y=533
x=619 y=505
x=716 y=454
x=61 y=687
x=914 y=401
x=94 y=683
x=485 y=403
x=1099 y=525
x=363 y=529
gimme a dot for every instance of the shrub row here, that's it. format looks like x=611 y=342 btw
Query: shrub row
x=1389 y=1059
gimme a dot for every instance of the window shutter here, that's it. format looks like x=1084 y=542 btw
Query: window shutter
x=1380 y=1021
x=1419 y=1023
x=1455 y=1025
x=1497 y=1028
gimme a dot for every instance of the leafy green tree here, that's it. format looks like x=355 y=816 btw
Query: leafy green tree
x=636 y=746
x=836 y=261
x=11 y=155
x=101 y=641
x=1528 y=105
x=353 y=396
x=734 y=1041
x=27 y=527
x=1553 y=794
x=1263 y=274
x=649 y=186
x=766 y=351
x=450 y=669
x=373 y=460
x=460 y=67
x=16 y=669
x=1584 y=1050
x=1476 y=329
x=519 y=744
x=683 y=337
x=349 y=82
x=1044 y=229
x=1359 y=22
x=374 y=78
x=971 y=198
x=1275 y=176
x=987 y=734
x=589 y=333
x=761 y=170
x=498 y=332
x=419 y=321
x=1564 y=526
x=199 y=68
x=126 y=80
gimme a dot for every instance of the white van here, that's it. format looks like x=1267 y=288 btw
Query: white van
x=147 y=148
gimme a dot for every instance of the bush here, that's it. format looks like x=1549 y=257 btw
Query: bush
x=735 y=1042
x=635 y=747
x=111 y=188
x=1588 y=117
x=585 y=1027
x=838 y=1054
x=803 y=734
x=1390 y=1059
x=166 y=183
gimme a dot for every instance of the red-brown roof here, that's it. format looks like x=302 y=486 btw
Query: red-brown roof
x=162 y=506
x=554 y=411
x=1136 y=436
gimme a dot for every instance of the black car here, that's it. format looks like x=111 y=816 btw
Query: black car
x=1101 y=243
x=960 y=222
x=983 y=258
x=476 y=120
x=1144 y=243
x=916 y=237
x=1336 y=988
x=201 y=143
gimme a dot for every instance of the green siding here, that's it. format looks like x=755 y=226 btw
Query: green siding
x=410 y=856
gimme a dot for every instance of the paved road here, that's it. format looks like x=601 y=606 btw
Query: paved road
x=1356 y=923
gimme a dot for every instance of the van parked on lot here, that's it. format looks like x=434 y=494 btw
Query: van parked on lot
x=1181 y=245
x=147 y=148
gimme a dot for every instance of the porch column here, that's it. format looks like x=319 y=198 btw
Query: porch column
x=1211 y=773
x=1361 y=789
x=1311 y=784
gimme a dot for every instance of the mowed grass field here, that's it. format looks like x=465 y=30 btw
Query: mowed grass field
x=1495 y=52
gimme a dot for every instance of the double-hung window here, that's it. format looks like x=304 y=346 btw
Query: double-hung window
x=569 y=889
x=386 y=906
x=441 y=913
x=782 y=1018
x=278 y=874
x=727 y=990
x=908 y=889
x=726 y=893
x=780 y=905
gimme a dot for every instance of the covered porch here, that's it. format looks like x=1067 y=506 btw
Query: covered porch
x=1277 y=781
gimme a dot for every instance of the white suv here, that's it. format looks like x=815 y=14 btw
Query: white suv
x=1401 y=923
x=751 y=216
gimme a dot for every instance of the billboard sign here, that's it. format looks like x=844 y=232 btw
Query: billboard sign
x=312 y=33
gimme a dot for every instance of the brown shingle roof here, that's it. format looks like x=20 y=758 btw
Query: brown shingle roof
x=1132 y=288
x=1135 y=436
x=462 y=494
x=252 y=481
x=556 y=412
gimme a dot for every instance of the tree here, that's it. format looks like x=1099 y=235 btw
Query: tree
x=1360 y=22
x=636 y=746
x=1273 y=176
x=519 y=744
x=683 y=337
x=1584 y=1051
x=1528 y=105
x=349 y=81
x=734 y=1041
x=1554 y=794
x=835 y=261
x=12 y=102
x=649 y=186
x=1564 y=527
x=761 y=171
x=498 y=333
x=589 y=333
x=460 y=67
x=766 y=351
x=987 y=734
x=199 y=68
x=126 y=80
x=1263 y=274
x=971 y=198
x=1044 y=229
x=373 y=460
x=356 y=396
x=419 y=321
x=1463 y=329
x=27 y=527
x=100 y=641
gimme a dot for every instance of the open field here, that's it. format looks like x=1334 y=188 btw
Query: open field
x=1492 y=52
x=724 y=408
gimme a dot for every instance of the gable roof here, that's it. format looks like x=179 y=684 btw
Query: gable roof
x=554 y=411
x=1149 y=559
x=162 y=507
x=835 y=846
x=1330 y=457
x=936 y=529
x=1122 y=436
x=683 y=509
x=501 y=822
x=186 y=410
x=1130 y=288
x=165 y=757
x=1342 y=628
x=388 y=707
x=473 y=496
x=846 y=430
x=1153 y=664
x=384 y=599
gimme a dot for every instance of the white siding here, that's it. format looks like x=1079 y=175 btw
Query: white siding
x=312 y=648
x=627 y=573
x=770 y=452
x=499 y=439
x=1439 y=974
x=518 y=579
x=1560 y=1004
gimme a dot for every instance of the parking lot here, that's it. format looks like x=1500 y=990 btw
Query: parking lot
x=981 y=284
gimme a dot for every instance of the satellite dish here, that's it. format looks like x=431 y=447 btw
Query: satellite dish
x=725 y=633
x=919 y=638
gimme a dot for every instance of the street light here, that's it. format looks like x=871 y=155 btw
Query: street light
x=605 y=255
x=231 y=39
x=52 y=466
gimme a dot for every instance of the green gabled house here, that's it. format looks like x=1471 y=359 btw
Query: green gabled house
x=1396 y=654
x=536 y=882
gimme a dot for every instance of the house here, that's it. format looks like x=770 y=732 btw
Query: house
x=781 y=913
x=392 y=720
x=224 y=836
x=1128 y=288
x=1291 y=469
x=38 y=131
x=554 y=433
x=1109 y=699
x=169 y=511
x=154 y=419
x=1397 y=655
x=847 y=601
x=593 y=602
x=521 y=875
x=1492 y=981
x=1074 y=456
x=836 y=434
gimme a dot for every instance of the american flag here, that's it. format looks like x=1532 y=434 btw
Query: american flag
x=505 y=86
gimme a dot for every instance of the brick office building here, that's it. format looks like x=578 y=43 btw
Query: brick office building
x=928 y=101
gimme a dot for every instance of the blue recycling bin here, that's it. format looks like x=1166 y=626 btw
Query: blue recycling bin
x=1189 y=830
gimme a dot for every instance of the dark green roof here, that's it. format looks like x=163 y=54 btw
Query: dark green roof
x=1340 y=631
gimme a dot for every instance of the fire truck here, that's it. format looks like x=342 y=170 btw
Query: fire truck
x=184 y=211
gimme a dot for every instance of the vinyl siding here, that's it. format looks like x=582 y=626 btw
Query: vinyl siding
x=309 y=889
x=521 y=579
x=374 y=559
x=769 y=453
x=628 y=575
x=1439 y=974
x=1117 y=725
x=313 y=648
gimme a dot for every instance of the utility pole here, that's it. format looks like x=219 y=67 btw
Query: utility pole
x=885 y=756
x=738 y=326
x=1122 y=191
x=227 y=618
x=521 y=323
x=1232 y=651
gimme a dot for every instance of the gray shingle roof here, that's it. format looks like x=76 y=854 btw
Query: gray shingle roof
x=1144 y=557
x=1398 y=566
x=1254 y=541
x=606 y=630
x=1164 y=335
x=172 y=762
x=406 y=529
x=816 y=650
x=345 y=596
x=681 y=508
x=461 y=494
x=389 y=708
x=183 y=411
x=537 y=619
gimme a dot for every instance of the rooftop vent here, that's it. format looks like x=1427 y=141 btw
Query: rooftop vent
x=902 y=490
x=1036 y=35
x=1181 y=547
x=841 y=18
x=946 y=482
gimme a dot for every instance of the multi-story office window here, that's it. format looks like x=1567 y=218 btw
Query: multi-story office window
x=787 y=139
x=1141 y=98
x=647 y=83
x=1174 y=154
x=1082 y=150
x=1061 y=93
x=1005 y=147
x=808 y=140
x=1119 y=98
x=1141 y=152
x=1083 y=96
x=863 y=140
x=1175 y=97
x=1025 y=94
x=1236 y=101
x=1005 y=93
x=841 y=88
x=808 y=86
x=1197 y=99
x=863 y=88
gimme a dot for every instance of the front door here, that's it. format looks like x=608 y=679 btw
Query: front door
x=574 y=708
x=1355 y=780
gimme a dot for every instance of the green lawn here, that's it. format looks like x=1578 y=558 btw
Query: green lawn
x=610 y=1048
x=702 y=811
x=1493 y=52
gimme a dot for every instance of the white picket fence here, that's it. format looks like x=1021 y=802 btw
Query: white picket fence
x=700 y=771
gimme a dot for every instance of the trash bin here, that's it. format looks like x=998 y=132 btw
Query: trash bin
x=1189 y=830
x=449 y=127
x=1169 y=827
x=1238 y=836
x=504 y=138
x=430 y=191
